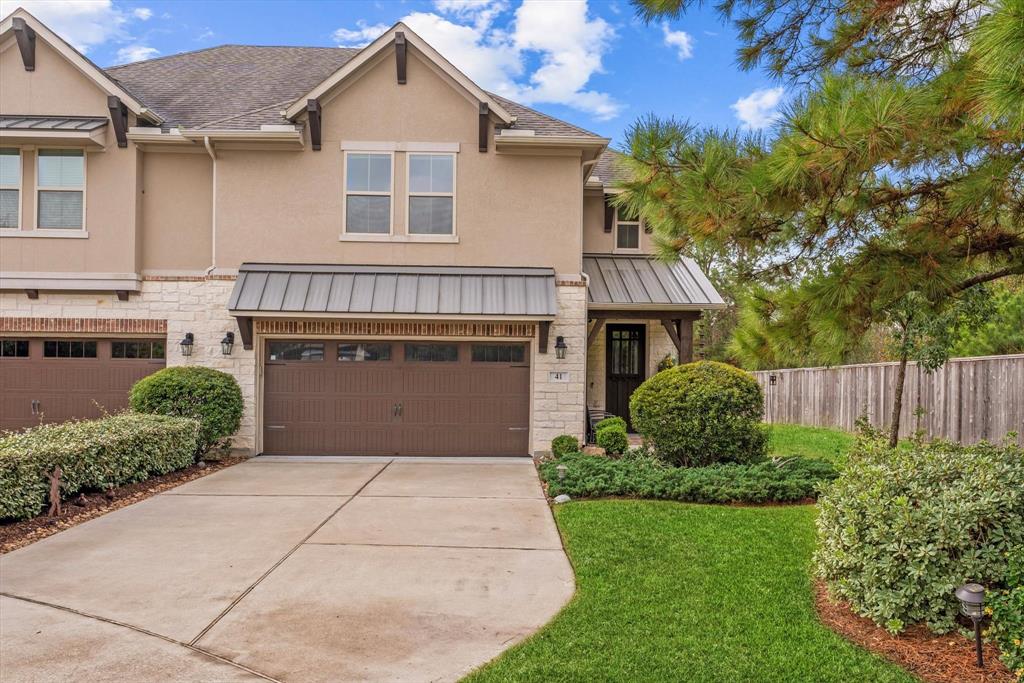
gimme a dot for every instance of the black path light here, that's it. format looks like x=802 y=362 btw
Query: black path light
x=560 y=348
x=972 y=604
x=227 y=343
x=187 y=343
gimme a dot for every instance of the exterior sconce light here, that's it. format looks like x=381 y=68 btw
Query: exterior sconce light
x=560 y=348
x=972 y=605
x=561 y=472
x=187 y=343
x=227 y=343
x=772 y=379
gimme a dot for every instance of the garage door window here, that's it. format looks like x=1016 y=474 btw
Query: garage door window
x=300 y=351
x=364 y=352
x=137 y=349
x=69 y=349
x=498 y=353
x=432 y=353
x=14 y=348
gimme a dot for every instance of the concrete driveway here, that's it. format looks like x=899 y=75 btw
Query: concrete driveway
x=292 y=569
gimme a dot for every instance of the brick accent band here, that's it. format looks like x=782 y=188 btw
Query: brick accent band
x=386 y=328
x=85 y=325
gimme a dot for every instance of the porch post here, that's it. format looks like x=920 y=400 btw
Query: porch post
x=685 y=327
x=594 y=331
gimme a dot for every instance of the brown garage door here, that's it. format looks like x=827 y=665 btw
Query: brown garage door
x=396 y=398
x=53 y=380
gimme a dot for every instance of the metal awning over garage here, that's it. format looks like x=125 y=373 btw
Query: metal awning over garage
x=625 y=283
x=279 y=289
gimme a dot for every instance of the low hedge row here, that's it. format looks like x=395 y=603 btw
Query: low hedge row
x=788 y=480
x=92 y=454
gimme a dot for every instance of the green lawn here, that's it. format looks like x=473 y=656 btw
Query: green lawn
x=810 y=442
x=675 y=592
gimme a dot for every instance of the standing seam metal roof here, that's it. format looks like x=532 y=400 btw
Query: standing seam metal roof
x=437 y=290
x=625 y=281
x=63 y=123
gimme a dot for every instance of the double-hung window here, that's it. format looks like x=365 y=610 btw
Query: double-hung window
x=627 y=231
x=10 y=187
x=368 y=188
x=60 y=183
x=431 y=194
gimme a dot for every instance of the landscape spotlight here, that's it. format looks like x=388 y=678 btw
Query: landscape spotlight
x=972 y=604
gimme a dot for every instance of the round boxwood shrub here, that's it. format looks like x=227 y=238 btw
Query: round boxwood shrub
x=900 y=529
x=608 y=422
x=701 y=413
x=564 y=445
x=613 y=439
x=210 y=396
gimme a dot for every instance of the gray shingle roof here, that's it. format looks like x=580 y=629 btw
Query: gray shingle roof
x=623 y=282
x=246 y=86
x=413 y=290
x=609 y=168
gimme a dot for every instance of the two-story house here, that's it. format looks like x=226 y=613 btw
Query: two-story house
x=388 y=258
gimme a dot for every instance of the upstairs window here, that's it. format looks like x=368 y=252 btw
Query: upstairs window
x=627 y=231
x=431 y=194
x=10 y=187
x=61 y=189
x=368 y=190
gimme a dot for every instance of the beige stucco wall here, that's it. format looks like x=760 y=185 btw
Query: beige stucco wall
x=595 y=239
x=659 y=345
x=176 y=212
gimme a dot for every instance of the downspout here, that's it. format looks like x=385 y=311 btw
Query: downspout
x=213 y=206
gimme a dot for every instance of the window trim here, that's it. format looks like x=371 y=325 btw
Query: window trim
x=616 y=249
x=409 y=194
x=20 y=189
x=368 y=236
x=38 y=188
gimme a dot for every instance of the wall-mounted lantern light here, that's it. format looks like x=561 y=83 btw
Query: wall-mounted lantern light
x=560 y=347
x=227 y=343
x=187 y=343
x=772 y=379
x=972 y=605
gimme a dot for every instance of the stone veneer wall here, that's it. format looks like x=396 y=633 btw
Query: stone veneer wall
x=659 y=344
x=188 y=305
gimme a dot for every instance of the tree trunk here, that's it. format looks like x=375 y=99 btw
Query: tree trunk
x=897 y=403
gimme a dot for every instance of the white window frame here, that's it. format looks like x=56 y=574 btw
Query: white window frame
x=639 y=239
x=453 y=236
x=39 y=188
x=19 y=187
x=366 y=236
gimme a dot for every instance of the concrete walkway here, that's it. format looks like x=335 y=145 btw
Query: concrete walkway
x=302 y=569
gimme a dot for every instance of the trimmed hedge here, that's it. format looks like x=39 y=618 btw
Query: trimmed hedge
x=210 y=396
x=92 y=454
x=613 y=439
x=701 y=413
x=564 y=444
x=614 y=421
x=789 y=480
x=900 y=529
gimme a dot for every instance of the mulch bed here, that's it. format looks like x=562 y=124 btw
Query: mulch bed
x=84 y=507
x=933 y=658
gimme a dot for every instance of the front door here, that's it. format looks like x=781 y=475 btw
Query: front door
x=625 y=367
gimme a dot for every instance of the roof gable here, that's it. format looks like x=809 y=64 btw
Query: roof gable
x=95 y=74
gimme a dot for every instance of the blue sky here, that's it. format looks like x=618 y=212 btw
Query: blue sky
x=592 y=63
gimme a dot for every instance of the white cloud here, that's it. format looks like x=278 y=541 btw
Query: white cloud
x=680 y=40
x=759 y=109
x=568 y=44
x=83 y=23
x=142 y=13
x=136 y=53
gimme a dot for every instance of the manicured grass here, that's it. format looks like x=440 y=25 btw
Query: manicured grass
x=675 y=592
x=810 y=442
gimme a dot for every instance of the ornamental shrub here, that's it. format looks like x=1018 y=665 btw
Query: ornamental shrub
x=609 y=422
x=768 y=481
x=701 y=413
x=613 y=439
x=92 y=454
x=564 y=445
x=1007 y=607
x=900 y=529
x=210 y=396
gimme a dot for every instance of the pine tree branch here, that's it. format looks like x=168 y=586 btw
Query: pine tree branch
x=988 y=277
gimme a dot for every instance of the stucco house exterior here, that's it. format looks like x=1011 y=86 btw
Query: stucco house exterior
x=388 y=258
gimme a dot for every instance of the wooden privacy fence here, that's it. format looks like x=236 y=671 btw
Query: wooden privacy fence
x=966 y=400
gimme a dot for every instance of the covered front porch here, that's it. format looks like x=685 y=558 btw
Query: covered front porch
x=640 y=318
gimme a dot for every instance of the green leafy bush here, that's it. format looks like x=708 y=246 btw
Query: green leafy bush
x=614 y=421
x=93 y=455
x=210 y=396
x=701 y=413
x=900 y=529
x=564 y=444
x=787 y=480
x=613 y=439
x=1007 y=612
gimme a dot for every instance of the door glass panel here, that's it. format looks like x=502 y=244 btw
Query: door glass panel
x=498 y=353
x=66 y=348
x=432 y=353
x=299 y=351
x=364 y=352
x=14 y=348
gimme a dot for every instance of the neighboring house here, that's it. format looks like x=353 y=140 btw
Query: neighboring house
x=406 y=263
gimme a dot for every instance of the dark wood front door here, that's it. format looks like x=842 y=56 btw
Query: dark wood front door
x=339 y=397
x=624 y=365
